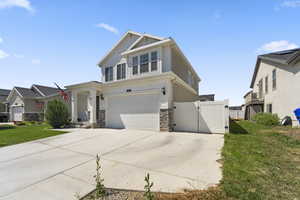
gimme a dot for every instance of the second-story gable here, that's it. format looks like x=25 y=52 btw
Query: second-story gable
x=141 y=55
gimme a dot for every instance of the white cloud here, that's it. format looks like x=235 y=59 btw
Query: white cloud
x=277 y=46
x=291 y=3
x=1 y=40
x=19 y=56
x=108 y=28
x=3 y=54
x=36 y=61
x=17 y=3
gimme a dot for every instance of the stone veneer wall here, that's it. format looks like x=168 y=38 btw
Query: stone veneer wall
x=33 y=116
x=101 y=121
x=166 y=120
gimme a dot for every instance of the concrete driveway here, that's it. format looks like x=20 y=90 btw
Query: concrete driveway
x=61 y=166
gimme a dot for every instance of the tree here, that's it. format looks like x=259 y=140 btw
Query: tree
x=57 y=113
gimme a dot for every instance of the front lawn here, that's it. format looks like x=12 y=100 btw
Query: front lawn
x=10 y=135
x=260 y=163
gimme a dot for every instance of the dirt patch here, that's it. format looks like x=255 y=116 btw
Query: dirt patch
x=212 y=193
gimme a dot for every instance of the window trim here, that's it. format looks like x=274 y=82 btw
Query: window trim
x=137 y=65
x=142 y=64
x=109 y=74
x=153 y=60
x=274 y=79
x=121 y=71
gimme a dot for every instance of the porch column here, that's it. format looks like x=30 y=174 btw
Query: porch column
x=74 y=107
x=92 y=106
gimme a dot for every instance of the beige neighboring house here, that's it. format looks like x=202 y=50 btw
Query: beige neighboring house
x=3 y=105
x=29 y=104
x=142 y=75
x=275 y=85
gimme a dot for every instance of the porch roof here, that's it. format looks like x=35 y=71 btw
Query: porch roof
x=90 y=84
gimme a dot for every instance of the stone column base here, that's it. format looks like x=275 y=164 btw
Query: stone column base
x=166 y=120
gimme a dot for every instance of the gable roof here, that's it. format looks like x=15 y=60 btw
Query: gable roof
x=141 y=37
x=280 y=57
x=116 y=45
x=4 y=92
x=45 y=90
x=26 y=92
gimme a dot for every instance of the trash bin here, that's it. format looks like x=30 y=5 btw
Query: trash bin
x=297 y=114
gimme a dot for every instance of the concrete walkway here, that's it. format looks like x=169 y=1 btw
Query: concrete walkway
x=57 y=168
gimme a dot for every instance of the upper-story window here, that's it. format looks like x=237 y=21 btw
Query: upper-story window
x=144 y=63
x=109 y=74
x=135 y=65
x=260 y=88
x=154 y=61
x=274 y=79
x=266 y=85
x=121 y=71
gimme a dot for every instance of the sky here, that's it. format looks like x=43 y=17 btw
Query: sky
x=61 y=41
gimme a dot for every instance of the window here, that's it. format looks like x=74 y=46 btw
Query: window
x=109 y=74
x=269 y=108
x=135 y=65
x=121 y=71
x=266 y=85
x=260 y=88
x=274 y=79
x=153 y=61
x=144 y=63
x=189 y=78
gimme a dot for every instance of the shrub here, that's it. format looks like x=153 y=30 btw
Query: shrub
x=57 y=114
x=267 y=119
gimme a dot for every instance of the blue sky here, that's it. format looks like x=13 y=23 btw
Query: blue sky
x=62 y=40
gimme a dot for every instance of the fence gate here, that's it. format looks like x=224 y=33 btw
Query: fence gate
x=201 y=117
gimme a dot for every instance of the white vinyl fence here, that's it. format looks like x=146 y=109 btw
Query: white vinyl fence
x=202 y=117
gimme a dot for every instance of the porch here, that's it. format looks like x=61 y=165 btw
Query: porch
x=86 y=104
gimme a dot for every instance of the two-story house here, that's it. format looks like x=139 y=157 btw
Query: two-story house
x=275 y=85
x=142 y=75
x=4 y=112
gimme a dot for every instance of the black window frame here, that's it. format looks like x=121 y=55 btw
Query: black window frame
x=109 y=74
x=121 y=71
x=135 y=65
x=144 y=63
x=154 y=61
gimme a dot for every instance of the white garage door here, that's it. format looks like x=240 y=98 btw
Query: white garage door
x=17 y=113
x=139 y=111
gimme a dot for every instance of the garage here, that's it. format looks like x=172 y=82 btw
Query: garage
x=135 y=111
x=17 y=113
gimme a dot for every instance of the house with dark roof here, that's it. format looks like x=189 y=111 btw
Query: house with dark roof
x=3 y=106
x=275 y=85
x=29 y=104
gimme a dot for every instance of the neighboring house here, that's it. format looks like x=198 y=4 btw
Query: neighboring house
x=142 y=75
x=275 y=85
x=3 y=105
x=29 y=104
x=207 y=97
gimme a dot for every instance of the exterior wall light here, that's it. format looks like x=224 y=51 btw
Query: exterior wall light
x=163 y=91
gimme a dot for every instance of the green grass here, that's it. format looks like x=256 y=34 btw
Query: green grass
x=260 y=163
x=10 y=135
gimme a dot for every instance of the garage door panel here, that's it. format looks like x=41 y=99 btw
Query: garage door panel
x=133 y=112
